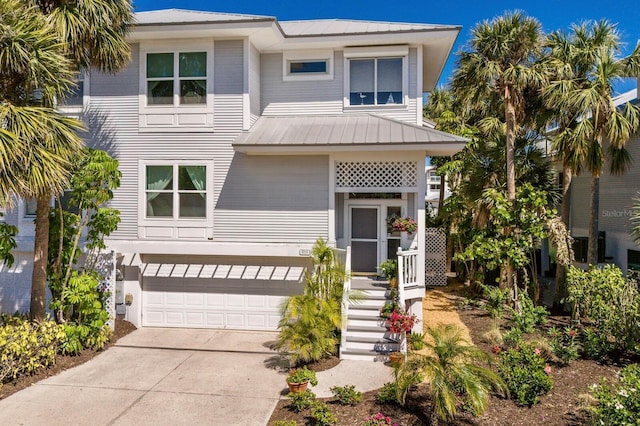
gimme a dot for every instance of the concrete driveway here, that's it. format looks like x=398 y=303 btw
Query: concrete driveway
x=160 y=377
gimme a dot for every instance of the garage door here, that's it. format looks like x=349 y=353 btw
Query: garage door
x=233 y=303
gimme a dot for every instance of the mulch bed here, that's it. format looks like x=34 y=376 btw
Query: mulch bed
x=560 y=407
x=64 y=362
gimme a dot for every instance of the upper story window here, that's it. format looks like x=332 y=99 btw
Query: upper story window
x=177 y=78
x=376 y=76
x=307 y=65
x=375 y=81
x=30 y=207
x=176 y=191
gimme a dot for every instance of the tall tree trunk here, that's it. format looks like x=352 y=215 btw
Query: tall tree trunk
x=40 y=254
x=565 y=214
x=510 y=114
x=592 y=252
x=441 y=194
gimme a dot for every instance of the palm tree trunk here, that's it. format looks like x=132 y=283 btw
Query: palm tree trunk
x=510 y=114
x=40 y=254
x=592 y=251
x=565 y=214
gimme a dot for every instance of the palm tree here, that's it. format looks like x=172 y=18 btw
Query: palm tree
x=587 y=67
x=33 y=72
x=500 y=65
x=452 y=369
x=93 y=34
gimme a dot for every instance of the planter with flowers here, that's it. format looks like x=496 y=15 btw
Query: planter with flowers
x=404 y=224
x=400 y=323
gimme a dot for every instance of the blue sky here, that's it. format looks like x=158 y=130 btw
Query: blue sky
x=553 y=14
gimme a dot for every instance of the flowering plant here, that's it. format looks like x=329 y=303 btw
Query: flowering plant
x=379 y=420
x=405 y=224
x=400 y=321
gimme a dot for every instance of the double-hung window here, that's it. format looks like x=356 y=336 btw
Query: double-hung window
x=176 y=191
x=176 y=78
x=376 y=76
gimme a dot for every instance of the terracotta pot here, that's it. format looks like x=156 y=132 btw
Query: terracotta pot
x=297 y=387
x=396 y=358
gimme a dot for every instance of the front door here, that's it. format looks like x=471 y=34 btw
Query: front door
x=372 y=237
x=365 y=238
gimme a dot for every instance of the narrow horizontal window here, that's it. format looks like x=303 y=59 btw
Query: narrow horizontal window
x=308 y=67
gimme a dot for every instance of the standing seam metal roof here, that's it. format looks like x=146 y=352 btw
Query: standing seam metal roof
x=347 y=129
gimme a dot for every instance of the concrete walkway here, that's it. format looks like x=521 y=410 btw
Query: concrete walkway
x=175 y=377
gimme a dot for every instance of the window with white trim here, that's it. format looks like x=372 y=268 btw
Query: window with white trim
x=30 y=207
x=307 y=65
x=176 y=191
x=375 y=81
x=176 y=78
x=376 y=76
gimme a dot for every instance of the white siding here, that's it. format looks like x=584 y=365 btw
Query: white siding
x=323 y=97
x=113 y=120
x=299 y=97
x=254 y=83
x=617 y=195
x=274 y=199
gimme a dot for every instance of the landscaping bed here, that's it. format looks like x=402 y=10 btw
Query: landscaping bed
x=561 y=406
x=64 y=362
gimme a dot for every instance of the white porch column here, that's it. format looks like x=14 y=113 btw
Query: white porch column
x=420 y=219
x=332 y=202
x=415 y=307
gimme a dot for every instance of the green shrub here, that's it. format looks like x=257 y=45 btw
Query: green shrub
x=619 y=405
x=524 y=370
x=529 y=315
x=564 y=344
x=416 y=341
x=610 y=301
x=321 y=415
x=27 y=346
x=301 y=400
x=347 y=395
x=595 y=345
x=284 y=423
x=387 y=394
x=496 y=298
x=310 y=323
x=88 y=325
x=512 y=338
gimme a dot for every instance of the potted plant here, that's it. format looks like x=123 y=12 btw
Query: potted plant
x=389 y=270
x=299 y=378
x=405 y=224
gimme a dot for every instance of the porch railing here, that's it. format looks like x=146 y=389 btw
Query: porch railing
x=407 y=271
x=344 y=257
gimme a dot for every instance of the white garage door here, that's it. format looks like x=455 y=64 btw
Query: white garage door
x=241 y=304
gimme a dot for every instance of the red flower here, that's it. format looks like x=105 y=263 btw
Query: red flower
x=497 y=349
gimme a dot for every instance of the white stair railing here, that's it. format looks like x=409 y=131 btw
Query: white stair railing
x=346 y=290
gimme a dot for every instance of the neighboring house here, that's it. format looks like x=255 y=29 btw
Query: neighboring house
x=617 y=194
x=434 y=183
x=242 y=140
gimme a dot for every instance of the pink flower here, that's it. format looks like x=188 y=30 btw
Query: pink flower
x=547 y=369
x=536 y=351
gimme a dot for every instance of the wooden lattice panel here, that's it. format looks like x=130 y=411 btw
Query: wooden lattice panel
x=435 y=257
x=376 y=175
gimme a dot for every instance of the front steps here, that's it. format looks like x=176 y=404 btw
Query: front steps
x=366 y=337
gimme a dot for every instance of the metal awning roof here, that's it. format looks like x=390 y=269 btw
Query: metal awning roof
x=345 y=132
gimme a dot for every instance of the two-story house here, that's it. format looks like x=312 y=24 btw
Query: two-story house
x=242 y=140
